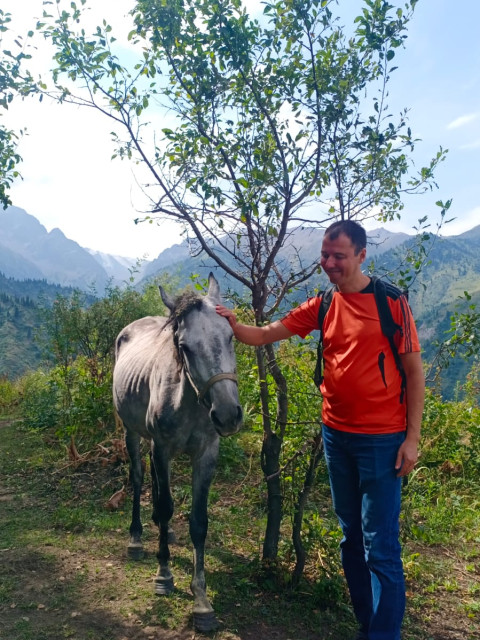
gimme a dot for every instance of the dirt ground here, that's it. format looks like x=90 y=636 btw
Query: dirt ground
x=41 y=583
x=81 y=591
x=46 y=579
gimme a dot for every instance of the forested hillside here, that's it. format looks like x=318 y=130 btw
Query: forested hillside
x=451 y=266
x=21 y=304
x=19 y=319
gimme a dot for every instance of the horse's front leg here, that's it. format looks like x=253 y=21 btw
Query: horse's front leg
x=203 y=469
x=162 y=513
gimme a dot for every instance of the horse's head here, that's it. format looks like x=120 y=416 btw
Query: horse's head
x=205 y=344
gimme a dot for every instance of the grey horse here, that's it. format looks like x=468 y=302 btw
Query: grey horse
x=175 y=384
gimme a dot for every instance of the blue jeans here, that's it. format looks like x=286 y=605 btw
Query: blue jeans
x=366 y=498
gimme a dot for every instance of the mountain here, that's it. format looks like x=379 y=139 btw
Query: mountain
x=28 y=250
x=118 y=268
x=33 y=259
x=21 y=304
x=302 y=245
x=167 y=260
x=19 y=321
x=16 y=265
x=452 y=266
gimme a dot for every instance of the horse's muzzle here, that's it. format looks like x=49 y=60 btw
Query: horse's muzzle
x=227 y=420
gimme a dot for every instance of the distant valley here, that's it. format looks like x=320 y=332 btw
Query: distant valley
x=29 y=251
x=36 y=264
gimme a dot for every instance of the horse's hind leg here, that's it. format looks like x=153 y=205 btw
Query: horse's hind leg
x=162 y=513
x=172 y=539
x=135 y=547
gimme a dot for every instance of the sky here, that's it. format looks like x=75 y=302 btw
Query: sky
x=70 y=182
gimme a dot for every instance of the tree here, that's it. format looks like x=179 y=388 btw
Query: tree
x=12 y=83
x=81 y=325
x=275 y=123
x=462 y=339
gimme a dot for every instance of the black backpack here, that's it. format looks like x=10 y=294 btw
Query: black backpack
x=388 y=325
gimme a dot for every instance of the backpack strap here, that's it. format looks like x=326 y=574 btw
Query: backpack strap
x=389 y=328
x=388 y=325
x=327 y=297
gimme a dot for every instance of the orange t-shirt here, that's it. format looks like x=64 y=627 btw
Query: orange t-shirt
x=361 y=386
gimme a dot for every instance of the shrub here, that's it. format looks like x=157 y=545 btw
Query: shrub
x=39 y=408
x=9 y=396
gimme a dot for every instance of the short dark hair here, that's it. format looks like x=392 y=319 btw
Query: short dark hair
x=354 y=231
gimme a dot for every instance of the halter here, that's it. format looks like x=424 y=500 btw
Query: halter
x=219 y=376
x=210 y=382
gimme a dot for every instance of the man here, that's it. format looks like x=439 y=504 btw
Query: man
x=370 y=432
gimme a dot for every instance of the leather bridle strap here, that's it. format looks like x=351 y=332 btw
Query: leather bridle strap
x=219 y=376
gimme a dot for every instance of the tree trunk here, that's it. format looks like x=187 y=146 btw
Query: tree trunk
x=315 y=457
x=271 y=450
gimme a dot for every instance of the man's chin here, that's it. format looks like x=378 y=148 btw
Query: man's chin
x=334 y=277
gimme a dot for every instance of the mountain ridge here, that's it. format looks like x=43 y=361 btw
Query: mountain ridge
x=37 y=258
x=44 y=255
x=29 y=251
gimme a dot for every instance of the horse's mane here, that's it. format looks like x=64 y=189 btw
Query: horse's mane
x=184 y=303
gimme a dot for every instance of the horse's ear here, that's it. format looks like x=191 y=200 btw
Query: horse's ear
x=213 y=288
x=167 y=300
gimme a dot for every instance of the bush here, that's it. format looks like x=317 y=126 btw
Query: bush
x=451 y=437
x=440 y=499
x=9 y=396
x=87 y=409
x=39 y=408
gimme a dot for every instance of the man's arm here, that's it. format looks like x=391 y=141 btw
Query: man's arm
x=408 y=452
x=255 y=336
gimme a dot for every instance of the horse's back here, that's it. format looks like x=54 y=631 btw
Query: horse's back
x=139 y=331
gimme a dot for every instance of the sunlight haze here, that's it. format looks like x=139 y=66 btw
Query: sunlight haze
x=70 y=182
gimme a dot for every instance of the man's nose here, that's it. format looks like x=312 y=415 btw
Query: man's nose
x=328 y=262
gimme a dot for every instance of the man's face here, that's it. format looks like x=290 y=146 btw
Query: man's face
x=339 y=261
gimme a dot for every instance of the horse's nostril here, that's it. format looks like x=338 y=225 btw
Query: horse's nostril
x=225 y=424
x=215 y=420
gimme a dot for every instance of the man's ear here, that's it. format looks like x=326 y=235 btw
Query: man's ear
x=363 y=255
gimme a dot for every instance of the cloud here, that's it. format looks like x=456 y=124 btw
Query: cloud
x=463 y=120
x=471 y=145
x=463 y=222
x=70 y=182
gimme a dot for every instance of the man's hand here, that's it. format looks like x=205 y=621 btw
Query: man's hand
x=407 y=457
x=227 y=313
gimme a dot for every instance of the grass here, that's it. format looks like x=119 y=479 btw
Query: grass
x=64 y=572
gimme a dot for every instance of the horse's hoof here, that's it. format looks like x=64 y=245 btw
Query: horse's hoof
x=163 y=586
x=205 y=622
x=135 y=551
